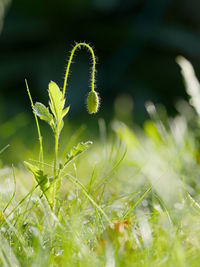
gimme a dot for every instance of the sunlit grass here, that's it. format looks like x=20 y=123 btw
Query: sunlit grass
x=131 y=199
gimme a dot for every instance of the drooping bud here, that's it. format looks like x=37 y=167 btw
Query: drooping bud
x=93 y=102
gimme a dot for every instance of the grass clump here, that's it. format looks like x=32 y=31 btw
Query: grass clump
x=131 y=200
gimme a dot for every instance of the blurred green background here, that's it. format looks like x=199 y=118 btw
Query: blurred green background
x=136 y=42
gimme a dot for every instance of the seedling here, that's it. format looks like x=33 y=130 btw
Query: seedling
x=54 y=115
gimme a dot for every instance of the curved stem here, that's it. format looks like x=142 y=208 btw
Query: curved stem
x=70 y=62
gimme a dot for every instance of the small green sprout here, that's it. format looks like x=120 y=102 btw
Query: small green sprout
x=54 y=116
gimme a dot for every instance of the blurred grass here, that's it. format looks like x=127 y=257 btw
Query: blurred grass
x=144 y=179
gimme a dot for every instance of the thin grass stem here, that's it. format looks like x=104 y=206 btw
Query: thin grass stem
x=41 y=154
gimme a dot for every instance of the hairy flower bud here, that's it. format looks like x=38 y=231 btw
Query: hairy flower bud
x=92 y=102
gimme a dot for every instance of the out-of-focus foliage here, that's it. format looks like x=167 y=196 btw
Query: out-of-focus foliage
x=3 y=8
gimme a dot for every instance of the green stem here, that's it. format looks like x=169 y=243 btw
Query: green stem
x=4 y=148
x=55 y=167
x=41 y=157
x=70 y=62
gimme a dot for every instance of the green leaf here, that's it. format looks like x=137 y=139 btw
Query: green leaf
x=61 y=126
x=57 y=102
x=77 y=150
x=41 y=178
x=65 y=111
x=43 y=113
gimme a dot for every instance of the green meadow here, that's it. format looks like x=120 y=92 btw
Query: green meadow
x=105 y=193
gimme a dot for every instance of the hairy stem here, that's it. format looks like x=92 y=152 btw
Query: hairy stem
x=70 y=62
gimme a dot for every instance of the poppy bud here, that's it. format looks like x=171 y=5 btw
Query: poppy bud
x=93 y=102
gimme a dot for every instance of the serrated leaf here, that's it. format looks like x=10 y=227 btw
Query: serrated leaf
x=77 y=150
x=57 y=102
x=41 y=178
x=43 y=113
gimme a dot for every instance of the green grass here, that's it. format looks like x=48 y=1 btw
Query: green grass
x=115 y=209
x=131 y=199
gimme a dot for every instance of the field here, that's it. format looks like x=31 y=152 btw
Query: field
x=127 y=198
